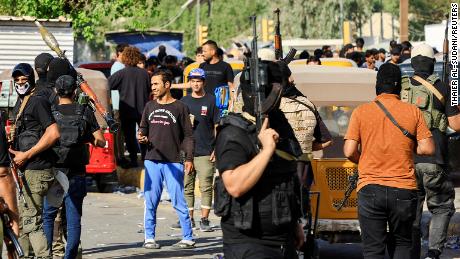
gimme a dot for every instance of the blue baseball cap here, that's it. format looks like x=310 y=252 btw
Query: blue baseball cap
x=197 y=73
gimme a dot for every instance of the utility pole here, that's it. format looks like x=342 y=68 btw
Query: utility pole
x=403 y=20
x=197 y=22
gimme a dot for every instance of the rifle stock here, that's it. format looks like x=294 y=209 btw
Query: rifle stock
x=53 y=44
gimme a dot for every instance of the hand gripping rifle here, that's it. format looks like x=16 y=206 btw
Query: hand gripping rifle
x=257 y=74
x=278 y=44
x=18 y=178
x=51 y=41
x=12 y=244
x=352 y=181
x=445 y=52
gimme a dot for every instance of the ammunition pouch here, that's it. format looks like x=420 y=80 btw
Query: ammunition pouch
x=423 y=98
x=27 y=139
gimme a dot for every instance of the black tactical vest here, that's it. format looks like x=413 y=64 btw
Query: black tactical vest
x=71 y=148
x=276 y=191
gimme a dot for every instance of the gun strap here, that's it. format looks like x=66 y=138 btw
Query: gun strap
x=430 y=87
x=392 y=119
x=21 y=108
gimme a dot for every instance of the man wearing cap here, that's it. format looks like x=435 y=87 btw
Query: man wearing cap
x=78 y=127
x=34 y=133
x=387 y=189
x=432 y=96
x=204 y=115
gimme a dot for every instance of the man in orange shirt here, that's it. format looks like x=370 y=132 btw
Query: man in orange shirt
x=387 y=186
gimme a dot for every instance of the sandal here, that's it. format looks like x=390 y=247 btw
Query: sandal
x=184 y=244
x=151 y=245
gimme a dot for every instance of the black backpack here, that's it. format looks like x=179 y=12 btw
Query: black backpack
x=71 y=148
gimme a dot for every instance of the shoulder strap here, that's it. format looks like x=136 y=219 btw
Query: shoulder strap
x=312 y=109
x=430 y=87
x=392 y=119
x=21 y=108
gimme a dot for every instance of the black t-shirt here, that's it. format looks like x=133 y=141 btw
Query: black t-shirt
x=133 y=83
x=206 y=116
x=169 y=130
x=36 y=117
x=440 y=139
x=234 y=147
x=4 y=159
x=218 y=74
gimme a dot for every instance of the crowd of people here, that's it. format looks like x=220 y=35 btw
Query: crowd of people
x=254 y=169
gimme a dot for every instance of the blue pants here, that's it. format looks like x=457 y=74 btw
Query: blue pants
x=73 y=204
x=173 y=175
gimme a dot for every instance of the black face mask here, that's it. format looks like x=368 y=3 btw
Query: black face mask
x=423 y=66
x=59 y=67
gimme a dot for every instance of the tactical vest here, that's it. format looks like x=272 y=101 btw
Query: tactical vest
x=283 y=203
x=300 y=113
x=423 y=98
x=71 y=149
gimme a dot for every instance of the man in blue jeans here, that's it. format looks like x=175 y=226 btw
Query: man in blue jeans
x=167 y=130
x=78 y=127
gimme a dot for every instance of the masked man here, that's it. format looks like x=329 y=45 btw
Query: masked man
x=256 y=192
x=35 y=132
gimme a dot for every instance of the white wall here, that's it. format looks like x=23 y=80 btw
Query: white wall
x=23 y=43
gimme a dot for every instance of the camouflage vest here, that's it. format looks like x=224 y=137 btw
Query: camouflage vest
x=423 y=98
x=302 y=120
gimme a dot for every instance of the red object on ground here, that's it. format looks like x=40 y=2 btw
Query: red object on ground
x=102 y=160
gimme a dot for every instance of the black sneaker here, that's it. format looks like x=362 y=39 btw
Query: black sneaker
x=204 y=225
x=433 y=254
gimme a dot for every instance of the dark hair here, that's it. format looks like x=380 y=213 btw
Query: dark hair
x=120 y=47
x=187 y=61
x=393 y=44
x=219 y=52
x=169 y=59
x=166 y=75
x=388 y=79
x=304 y=55
x=382 y=50
x=318 y=53
x=211 y=43
x=199 y=50
x=406 y=45
x=328 y=54
x=152 y=61
x=325 y=47
x=359 y=42
x=314 y=59
x=162 y=48
x=369 y=53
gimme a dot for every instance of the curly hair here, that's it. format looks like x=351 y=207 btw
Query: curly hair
x=131 y=56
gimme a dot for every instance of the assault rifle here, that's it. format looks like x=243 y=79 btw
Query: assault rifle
x=257 y=74
x=18 y=178
x=12 y=244
x=445 y=52
x=352 y=181
x=83 y=85
x=278 y=44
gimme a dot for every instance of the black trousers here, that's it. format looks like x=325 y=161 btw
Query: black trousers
x=129 y=132
x=381 y=206
x=257 y=251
